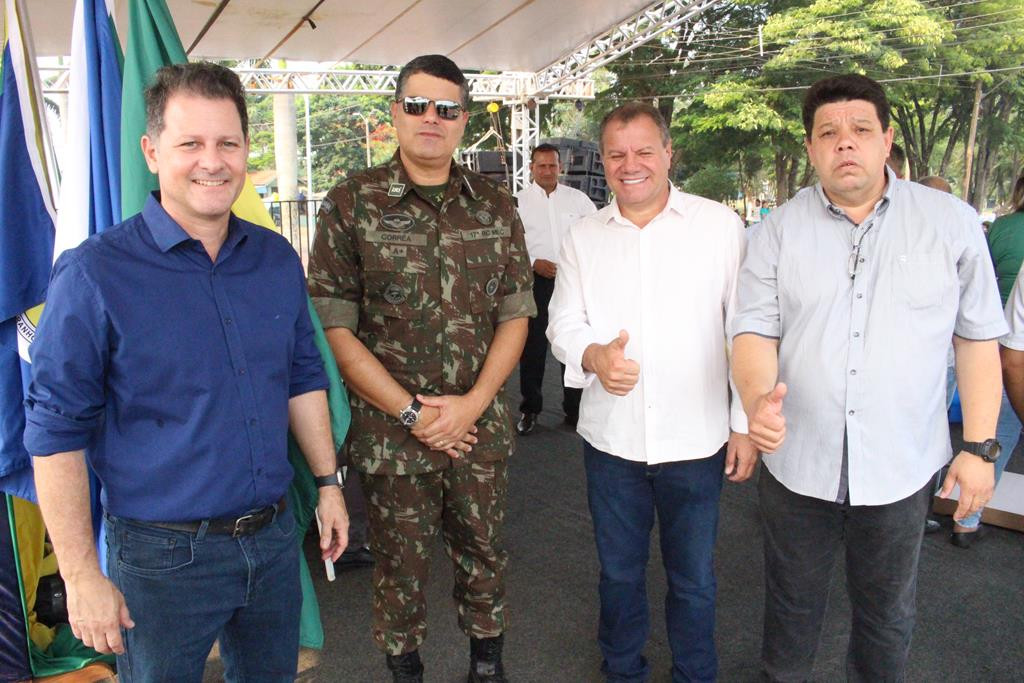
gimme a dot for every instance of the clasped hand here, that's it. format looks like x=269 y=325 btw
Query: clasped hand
x=448 y=423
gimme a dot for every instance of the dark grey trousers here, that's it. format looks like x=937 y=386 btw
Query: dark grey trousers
x=355 y=503
x=802 y=536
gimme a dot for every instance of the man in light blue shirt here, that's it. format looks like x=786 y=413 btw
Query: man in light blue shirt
x=848 y=298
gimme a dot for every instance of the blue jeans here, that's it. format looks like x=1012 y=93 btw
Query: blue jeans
x=1008 y=434
x=185 y=590
x=624 y=497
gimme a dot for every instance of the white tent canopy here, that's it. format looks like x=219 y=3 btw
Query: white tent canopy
x=502 y=35
x=543 y=48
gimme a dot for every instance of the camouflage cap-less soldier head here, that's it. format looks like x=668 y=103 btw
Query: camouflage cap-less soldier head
x=429 y=115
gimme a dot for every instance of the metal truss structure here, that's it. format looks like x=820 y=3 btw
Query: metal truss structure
x=508 y=86
x=566 y=79
x=640 y=28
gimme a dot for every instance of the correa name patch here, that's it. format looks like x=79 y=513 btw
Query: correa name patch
x=396 y=238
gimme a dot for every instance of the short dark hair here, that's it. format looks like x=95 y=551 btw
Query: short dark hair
x=205 y=79
x=437 y=66
x=544 y=147
x=625 y=113
x=1017 y=199
x=898 y=156
x=842 y=89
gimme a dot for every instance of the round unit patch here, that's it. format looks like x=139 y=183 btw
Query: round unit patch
x=491 y=287
x=484 y=217
x=394 y=294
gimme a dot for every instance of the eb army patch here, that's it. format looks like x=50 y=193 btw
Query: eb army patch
x=491 y=287
x=396 y=189
x=326 y=206
x=399 y=222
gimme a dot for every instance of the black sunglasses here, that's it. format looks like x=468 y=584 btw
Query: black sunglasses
x=417 y=106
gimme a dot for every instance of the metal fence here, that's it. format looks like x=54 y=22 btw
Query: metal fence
x=297 y=221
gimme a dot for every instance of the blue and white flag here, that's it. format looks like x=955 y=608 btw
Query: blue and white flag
x=90 y=200
x=27 y=220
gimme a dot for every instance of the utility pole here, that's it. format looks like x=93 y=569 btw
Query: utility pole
x=309 y=157
x=366 y=127
x=969 y=151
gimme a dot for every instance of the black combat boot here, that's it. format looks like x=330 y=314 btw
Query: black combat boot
x=485 y=660
x=406 y=668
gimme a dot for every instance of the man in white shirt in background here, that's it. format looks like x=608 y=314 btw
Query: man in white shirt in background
x=547 y=209
x=645 y=291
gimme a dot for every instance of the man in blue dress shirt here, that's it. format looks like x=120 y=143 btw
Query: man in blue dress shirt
x=174 y=352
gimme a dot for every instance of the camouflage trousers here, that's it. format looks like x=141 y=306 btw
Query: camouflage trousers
x=467 y=504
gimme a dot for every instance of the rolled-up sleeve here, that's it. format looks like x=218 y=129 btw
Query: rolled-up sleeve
x=980 y=315
x=1015 y=315
x=307 y=372
x=569 y=329
x=333 y=281
x=517 y=300
x=65 y=399
x=757 y=294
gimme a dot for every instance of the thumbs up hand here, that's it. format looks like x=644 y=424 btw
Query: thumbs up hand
x=618 y=374
x=767 y=424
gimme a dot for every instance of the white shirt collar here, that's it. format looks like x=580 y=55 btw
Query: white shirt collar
x=676 y=202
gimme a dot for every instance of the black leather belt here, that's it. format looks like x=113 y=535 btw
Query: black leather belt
x=235 y=526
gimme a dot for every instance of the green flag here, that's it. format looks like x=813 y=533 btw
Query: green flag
x=153 y=42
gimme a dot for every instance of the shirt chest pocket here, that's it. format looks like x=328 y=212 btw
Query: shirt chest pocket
x=393 y=286
x=486 y=260
x=922 y=280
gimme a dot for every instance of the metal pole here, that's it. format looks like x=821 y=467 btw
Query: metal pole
x=366 y=127
x=309 y=156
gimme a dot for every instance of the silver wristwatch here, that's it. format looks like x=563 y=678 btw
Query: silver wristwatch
x=411 y=415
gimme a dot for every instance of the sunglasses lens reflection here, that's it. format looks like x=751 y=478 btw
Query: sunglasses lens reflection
x=417 y=106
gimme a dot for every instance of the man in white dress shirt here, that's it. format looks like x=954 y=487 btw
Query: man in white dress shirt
x=645 y=290
x=547 y=209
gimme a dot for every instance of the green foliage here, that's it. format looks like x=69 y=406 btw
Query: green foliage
x=337 y=135
x=713 y=182
x=741 y=88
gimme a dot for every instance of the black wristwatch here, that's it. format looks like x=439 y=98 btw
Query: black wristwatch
x=333 y=479
x=988 y=450
x=411 y=415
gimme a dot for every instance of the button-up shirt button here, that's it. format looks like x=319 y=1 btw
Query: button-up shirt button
x=860 y=260
x=851 y=412
x=860 y=296
x=856 y=334
x=227 y=321
x=241 y=371
x=853 y=372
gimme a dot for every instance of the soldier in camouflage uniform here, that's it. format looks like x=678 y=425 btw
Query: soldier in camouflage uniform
x=419 y=271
